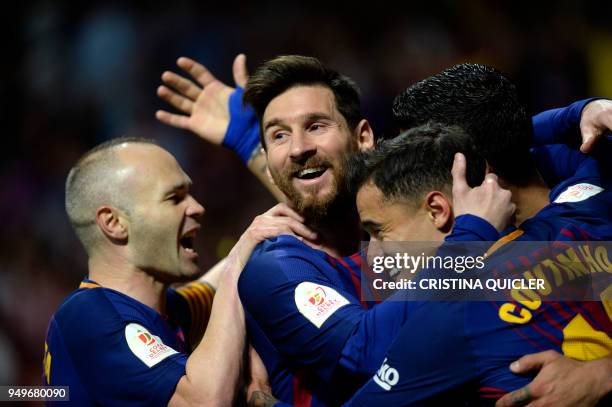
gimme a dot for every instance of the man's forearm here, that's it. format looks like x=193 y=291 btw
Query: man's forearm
x=213 y=370
x=603 y=367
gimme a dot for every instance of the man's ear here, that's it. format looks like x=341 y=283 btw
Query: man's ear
x=112 y=222
x=440 y=211
x=365 y=135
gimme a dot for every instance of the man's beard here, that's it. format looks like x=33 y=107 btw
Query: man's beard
x=317 y=211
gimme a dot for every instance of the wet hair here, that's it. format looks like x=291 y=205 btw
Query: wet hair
x=485 y=103
x=416 y=162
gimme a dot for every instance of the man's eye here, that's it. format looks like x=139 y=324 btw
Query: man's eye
x=176 y=198
x=315 y=126
x=279 y=136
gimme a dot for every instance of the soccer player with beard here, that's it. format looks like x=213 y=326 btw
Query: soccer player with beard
x=302 y=301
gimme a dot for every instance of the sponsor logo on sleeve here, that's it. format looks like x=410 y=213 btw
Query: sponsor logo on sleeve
x=147 y=347
x=317 y=302
x=386 y=377
x=578 y=192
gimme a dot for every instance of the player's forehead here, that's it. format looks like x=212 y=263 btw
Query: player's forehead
x=299 y=103
x=373 y=206
x=151 y=168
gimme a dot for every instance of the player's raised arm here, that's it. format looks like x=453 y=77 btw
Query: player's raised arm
x=213 y=369
x=585 y=120
x=214 y=112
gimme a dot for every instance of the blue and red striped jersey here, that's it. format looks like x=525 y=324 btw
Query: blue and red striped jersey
x=110 y=349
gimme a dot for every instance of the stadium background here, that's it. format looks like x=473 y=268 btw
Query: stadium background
x=76 y=74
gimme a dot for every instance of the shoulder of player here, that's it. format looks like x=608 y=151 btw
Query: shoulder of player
x=275 y=254
x=284 y=246
x=98 y=309
x=278 y=265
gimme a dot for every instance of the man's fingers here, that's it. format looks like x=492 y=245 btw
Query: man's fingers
x=284 y=210
x=171 y=119
x=180 y=102
x=589 y=137
x=533 y=361
x=184 y=86
x=458 y=172
x=196 y=70
x=520 y=397
x=491 y=178
x=301 y=230
x=239 y=69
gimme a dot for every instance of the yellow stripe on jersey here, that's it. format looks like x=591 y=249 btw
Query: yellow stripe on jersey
x=199 y=296
x=508 y=238
x=582 y=342
x=47 y=365
x=88 y=285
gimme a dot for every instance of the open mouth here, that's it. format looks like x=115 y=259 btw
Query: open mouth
x=310 y=173
x=187 y=241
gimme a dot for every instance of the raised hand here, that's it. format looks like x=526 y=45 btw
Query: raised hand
x=488 y=201
x=203 y=104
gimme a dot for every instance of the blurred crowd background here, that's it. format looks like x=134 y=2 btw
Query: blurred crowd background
x=76 y=74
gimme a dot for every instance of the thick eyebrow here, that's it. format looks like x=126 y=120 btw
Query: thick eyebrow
x=308 y=117
x=180 y=187
x=370 y=225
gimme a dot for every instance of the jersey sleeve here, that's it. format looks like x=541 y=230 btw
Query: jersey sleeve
x=192 y=303
x=555 y=131
x=431 y=356
x=306 y=317
x=559 y=126
x=118 y=362
x=472 y=228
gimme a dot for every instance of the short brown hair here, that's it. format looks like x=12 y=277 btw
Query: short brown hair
x=284 y=72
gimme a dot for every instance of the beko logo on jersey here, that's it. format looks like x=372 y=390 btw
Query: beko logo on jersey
x=317 y=302
x=147 y=347
x=578 y=192
x=386 y=377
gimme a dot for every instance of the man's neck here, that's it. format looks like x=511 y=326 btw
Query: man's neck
x=529 y=200
x=129 y=280
x=338 y=236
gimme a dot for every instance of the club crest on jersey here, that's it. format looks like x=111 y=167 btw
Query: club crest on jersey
x=578 y=192
x=147 y=347
x=317 y=302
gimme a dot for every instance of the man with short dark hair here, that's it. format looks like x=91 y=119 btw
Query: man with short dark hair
x=316 y=354
x=406 y=181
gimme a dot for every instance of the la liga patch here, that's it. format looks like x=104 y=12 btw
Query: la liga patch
x=147 y=347
x=578 y=192
x=317 y=302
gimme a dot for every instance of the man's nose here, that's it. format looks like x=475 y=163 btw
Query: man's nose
x=194 y=208
x=302 y=147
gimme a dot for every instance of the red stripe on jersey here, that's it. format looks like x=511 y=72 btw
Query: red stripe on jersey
x=491 y=392
x=562 y=312
x=550 y=319
x=553 y=339
x=356 y=282
x=301 y=396
x=568 y=233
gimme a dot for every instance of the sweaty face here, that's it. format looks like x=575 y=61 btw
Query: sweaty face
x=164 y=218
x=308 y=142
